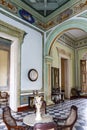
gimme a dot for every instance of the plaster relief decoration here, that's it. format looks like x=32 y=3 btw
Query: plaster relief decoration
x=81 y=43
x=81 y=5
x=60 y=18
x=46 y=25
x=62 y=51
x=84 y=56
x=64 y=15
x=23 y=11
x=9 y=6
x=64 y=39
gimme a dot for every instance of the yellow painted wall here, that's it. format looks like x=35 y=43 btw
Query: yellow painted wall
x=59 y=51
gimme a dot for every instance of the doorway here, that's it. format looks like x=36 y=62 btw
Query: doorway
x=64 y=76
x=83 y=75
x=4 y=64
x=15 y=36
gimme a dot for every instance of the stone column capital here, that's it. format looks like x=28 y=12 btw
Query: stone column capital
x=48 y=59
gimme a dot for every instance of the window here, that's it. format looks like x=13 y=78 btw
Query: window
x=4 y=64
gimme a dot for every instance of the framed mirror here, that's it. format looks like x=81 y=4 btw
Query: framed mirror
x=33 y=74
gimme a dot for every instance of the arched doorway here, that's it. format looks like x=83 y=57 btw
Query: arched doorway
x=71 y=24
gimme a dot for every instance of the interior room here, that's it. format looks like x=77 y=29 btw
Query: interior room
x=43 y=51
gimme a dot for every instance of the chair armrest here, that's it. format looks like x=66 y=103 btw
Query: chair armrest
x=59 y=119
x=63 y=126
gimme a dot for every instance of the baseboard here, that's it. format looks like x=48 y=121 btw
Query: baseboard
x=75 y=97
x=25 y=108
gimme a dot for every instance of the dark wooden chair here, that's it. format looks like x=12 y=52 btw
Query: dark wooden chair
x=45 y=126
x=67 y=123
x=10 y=121
x=75 y=93
x=4 y=97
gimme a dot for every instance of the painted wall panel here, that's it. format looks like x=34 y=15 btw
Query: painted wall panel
x=31 y=54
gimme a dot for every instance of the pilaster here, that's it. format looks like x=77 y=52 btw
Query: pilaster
x=47 y=87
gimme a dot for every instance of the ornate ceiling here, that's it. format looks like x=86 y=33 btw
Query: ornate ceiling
x=45 y=7
x=44 y=14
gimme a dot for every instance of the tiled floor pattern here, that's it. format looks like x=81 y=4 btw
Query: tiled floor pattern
x=60 y=110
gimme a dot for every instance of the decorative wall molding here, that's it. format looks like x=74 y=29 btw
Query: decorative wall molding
x=44 y=23
x=81 y=43
x=48 y=59
x=63 y=52
x=16 y=36
x=65 y=40
x=13 y=31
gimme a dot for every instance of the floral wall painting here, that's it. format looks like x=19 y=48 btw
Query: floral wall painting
x=26 y=16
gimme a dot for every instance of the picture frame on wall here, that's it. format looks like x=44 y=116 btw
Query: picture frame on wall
x=54 y=77
x=33 y=74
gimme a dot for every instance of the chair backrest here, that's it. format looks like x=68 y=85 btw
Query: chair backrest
x=7 y=117
x=45 y=126
x=4 y=95
x=71 y=118
x=74 y=92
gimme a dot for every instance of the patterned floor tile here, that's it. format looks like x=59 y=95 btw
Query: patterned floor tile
x=59 y=110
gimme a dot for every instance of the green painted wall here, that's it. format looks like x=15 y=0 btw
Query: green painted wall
x=59 y=51
x=52 y=47
x=80 y=53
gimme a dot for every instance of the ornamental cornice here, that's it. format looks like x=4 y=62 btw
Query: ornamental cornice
x=81 y=43
x=44 y=23
x=48 y=59
x=63 y=52
x=13 y=31
x=64 y=39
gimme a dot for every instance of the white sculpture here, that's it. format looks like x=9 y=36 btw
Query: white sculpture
x=38 y=104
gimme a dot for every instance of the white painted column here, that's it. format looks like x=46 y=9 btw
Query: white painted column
x=15 y=35
x=47 y=78
x=15 y=75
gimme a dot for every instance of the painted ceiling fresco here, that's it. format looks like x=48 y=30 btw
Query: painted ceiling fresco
x=22 y=10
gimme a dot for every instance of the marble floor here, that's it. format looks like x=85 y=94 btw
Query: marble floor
x=59 y=110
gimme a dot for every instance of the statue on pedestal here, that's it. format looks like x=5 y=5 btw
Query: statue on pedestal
x=38 y=104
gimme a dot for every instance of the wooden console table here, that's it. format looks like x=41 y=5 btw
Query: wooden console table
x=58 y=97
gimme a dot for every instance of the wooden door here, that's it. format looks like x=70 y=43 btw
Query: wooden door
x=83 y=75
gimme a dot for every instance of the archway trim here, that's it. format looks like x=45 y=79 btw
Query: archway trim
x=79 y=23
